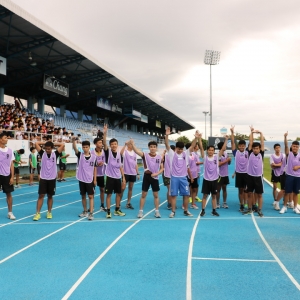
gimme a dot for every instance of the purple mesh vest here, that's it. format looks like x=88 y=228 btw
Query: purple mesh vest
x=241 y=161
x=283 y=166
x=198 y=160
x=277 y=160
x=192 y=164
x=48 y=168
x=293 y=161
x=100 y=158
x=113 y=165
x=167 y=171
x=255 y=165
x=179 y=165
x=129 y=162
x=211 y=168
x=5 y=162
x=85 y=169
x=152 y=163
x=223 y=170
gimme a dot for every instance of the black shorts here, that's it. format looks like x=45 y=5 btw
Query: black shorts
x=223 y=180
x=113 y=185
x=17 y=171
x=282 y=181
x=166 y=180
x=86 y=188
x=47 y=187
x=38 y=169
x=255 y=184
x=62 y=166
x=130 y=178
x=4 y=182
x=209 y=187
x=274 y=178
x=149 y=181
x=31 y=170
x=100 y=181
x=195 y=183
x=241 y=180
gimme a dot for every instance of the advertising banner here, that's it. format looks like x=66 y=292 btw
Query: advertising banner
x=55 y=85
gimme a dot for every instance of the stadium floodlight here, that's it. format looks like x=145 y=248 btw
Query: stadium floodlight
x=205 y=113
x=211 y=58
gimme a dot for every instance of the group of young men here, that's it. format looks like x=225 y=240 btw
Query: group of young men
x=111 y=170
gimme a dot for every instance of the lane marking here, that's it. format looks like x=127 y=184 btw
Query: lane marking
x=285 y=270
x=235 y=259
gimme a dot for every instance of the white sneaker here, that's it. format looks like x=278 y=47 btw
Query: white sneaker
x=194 y=206
x=182 y=207
x=276 y=205
x=296 y=211
x=290 y=204
x=11 y=216
x=140 y=214
x=172 y=215
x=17 y=186
x=283 y=210
x=157 y=214
x=274 y=202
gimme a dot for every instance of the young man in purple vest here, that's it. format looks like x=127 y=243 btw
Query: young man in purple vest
x=277 y=163
x=100 y=157
x=86 y=173
x=211 y=176
x=152 y=168
x=255 y=173
x=131 y=171
x=292 y=182
x=223 y=180
x=7 y=173
x=114 y=172
x=48 y=174
x=179 y=166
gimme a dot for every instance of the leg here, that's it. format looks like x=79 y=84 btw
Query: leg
x=260 y=201
x=83 y=200
x=9 y=201
x=204 y=201
x=50 y=202
x=130 y=188
x=214 y=201
x=186 y=202
x=102 y=196
x=17 y=178
x=118 y=200
x=40 y=203
x=295 y=199
x=108 y=198
x=173 y=203
x=156 y=200
x=91 y=201
x=142 y=200
x=242 y=196
x=224 y=190
x=274 y=190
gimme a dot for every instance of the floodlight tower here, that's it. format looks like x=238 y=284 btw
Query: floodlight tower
x=211 y=58
x=205 y=113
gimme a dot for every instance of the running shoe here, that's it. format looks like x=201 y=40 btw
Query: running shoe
x=190 y=199
x=108 y=215
x=172 y=214
x=218 y=205
x=140 y=214
x=202 y=214
x=83 y=214
x=214 y=213
x=194 y=206
x=119 y=213
x=63 y=179
x=225 y=205
x=58 y=180
x=129 y=206
x=91 y=217
x=169 y=206
x=276 y=205
x=157 y=214
x=187 y=213
x=11 y=216
x=102 y=208
x=182 y=207
x=246 y=206
x=241 y=208
x=255 y=208
x=17 y=186
x=290 y=205
x=198 y=199
x=259 y=212
x=296 y=210
x=283 y=210
x=247 y=212
x=36 y=217
x=49 y=215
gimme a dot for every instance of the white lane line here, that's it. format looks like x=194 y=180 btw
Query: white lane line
x=189 y=259
x=285 y=270
x=90 y=268
x=235 y=259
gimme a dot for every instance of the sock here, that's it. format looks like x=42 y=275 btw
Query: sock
x=108 y=210
x=102 y=205
x=214 y=209
x=156 y=210
x=117 y=208
x=203 y=209
x=185 y=211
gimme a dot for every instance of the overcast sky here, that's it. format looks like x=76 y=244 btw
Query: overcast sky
x=159 y=46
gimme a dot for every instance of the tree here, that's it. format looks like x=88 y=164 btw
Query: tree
x=183 y=139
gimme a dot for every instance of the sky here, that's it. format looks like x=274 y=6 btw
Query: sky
x=159 y=47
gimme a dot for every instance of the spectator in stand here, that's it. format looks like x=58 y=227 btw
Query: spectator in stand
x=100 y=134
x=78 y=139
x=65 y=138
x=94 y=131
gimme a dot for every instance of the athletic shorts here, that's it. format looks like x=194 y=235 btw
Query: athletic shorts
x=38 y=169
x=86 y=188
x=31 y=170
x=209 y=187
x=241 y=180
x=166 y=180
x=274 y=178
x=130 y=178
x=17 y=171
x=255 y=184
x=4 y=182
x=292 y=184
x=113 y=185
x=282 y=181
x=179 y=184
x=223 y=180
x=100 y=181
x=47 y=187
x=150 y=181
x=62 y=166
x=195 y=183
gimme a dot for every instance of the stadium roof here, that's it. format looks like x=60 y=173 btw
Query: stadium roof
x=31 y=52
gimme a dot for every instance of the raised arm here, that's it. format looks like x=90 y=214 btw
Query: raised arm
x=232 y=138
x=38 y=147
x=262 y=141
x=167 y=138
x=251 y=138
x=286 y=145
x=224 y=146
x=123 y=149
x=201 y=145
x=197 y=135
x=135 y=149
x=60 y=147
x=105 y=127
x=74 y=144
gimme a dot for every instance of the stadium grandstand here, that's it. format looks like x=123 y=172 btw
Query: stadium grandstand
x=41 y=71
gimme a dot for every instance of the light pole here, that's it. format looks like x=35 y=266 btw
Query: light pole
x=211 y=58
x=205 y=113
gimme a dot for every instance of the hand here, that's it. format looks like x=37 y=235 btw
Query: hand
x=286 y=134
x=168 y=132
x=232 y=128
x=153 y=175
x=192 y=180
x=131 y=141
x=124 y=184
x=251 y=128
x=105 y=127
x=138 y=176
x=229 y=159
x=11 y=180
x=67 y=155
x=100 y=164
x=226 y=137
x=95 y=183
x=295 y=168
x=197 y=134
